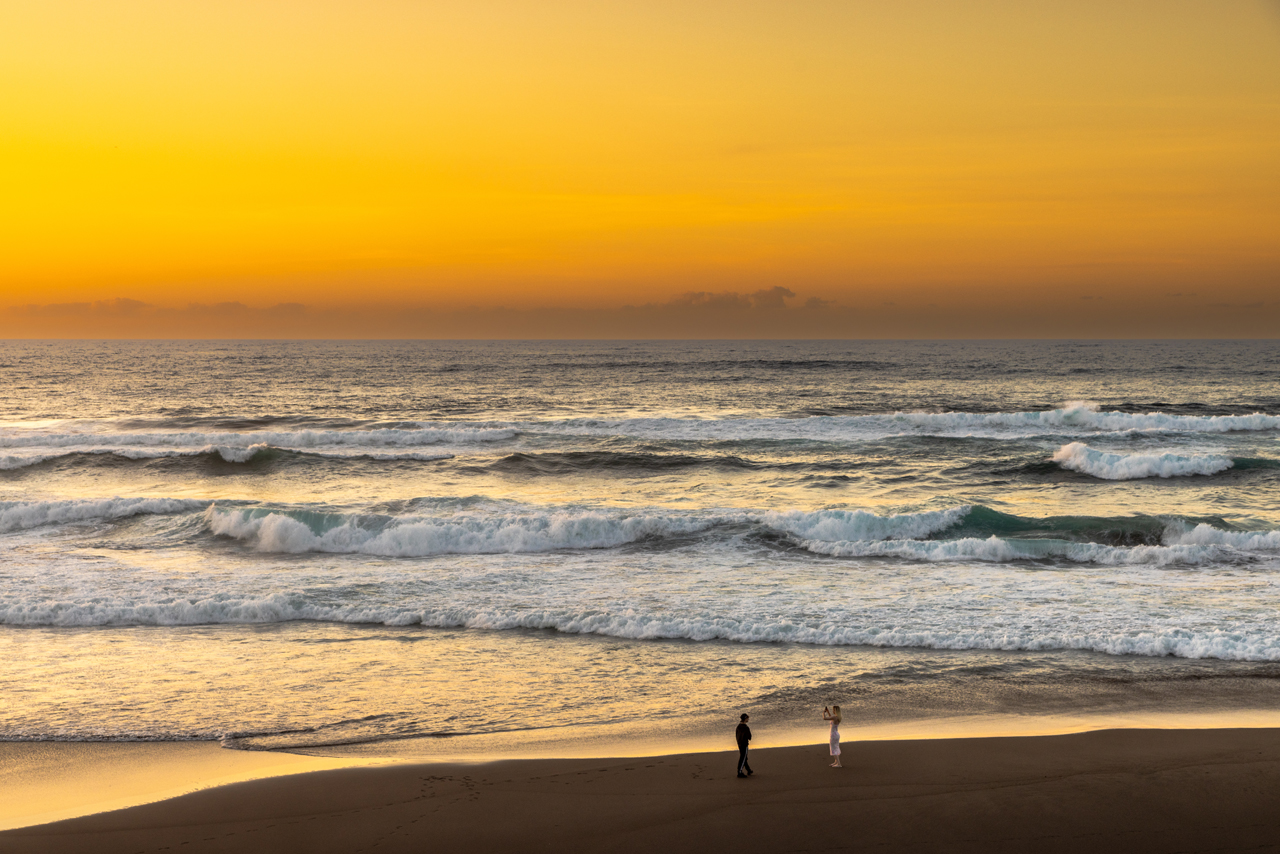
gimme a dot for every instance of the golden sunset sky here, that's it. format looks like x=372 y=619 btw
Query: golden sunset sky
x=405 y=167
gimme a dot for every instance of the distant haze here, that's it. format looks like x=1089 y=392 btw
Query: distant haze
x=775 y=313
x=565 y=168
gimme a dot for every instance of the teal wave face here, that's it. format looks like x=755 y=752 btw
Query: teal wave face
x=1254 y=463
x=1138 y=530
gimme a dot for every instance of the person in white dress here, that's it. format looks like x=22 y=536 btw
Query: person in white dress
x=833 y=715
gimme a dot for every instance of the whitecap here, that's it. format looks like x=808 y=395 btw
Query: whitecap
x=1077 y=456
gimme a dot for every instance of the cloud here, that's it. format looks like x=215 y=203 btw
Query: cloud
x=695 y=314
x=770 y=299
x=220 y=309
x=773 y=299
x=777 y=312
x=119 y=307
x=287 y=309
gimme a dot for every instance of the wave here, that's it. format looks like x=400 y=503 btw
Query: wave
x=574 y=462
x=489 y=533
x=226 y=454
x=454 y=434
x=244 y=454
x=1207 y=535
x=1080 y=457
x=1074 y=418
x=987 y=535
x=839 y=525
x=22 y=515
x=298 y=531
x=636 y=625
x=235 y=739
x=1006 y=550
x=962 y=533
x=1071 y=419
x=736 y=365
x=426 y=528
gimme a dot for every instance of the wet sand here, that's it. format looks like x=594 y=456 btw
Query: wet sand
x=42 y=782
x=1111 y=790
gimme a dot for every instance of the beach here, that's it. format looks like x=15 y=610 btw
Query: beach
x=1112 y=790
x=434 y=426
x=1043 y=593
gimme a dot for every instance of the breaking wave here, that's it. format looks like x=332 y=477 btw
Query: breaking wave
x=1005 y=550
x=1071 y=419
x=1080 y=457
x=573 y=462
x=427 y=528
x=22 y=515
x=228 y=454
x=297 y=531
x=636 y=625
x=302 y=531
x=963 y=533
x=444 y=434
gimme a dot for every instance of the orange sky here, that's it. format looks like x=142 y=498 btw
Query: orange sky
x=990 y=159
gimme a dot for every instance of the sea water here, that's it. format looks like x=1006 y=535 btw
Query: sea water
x=306 y=545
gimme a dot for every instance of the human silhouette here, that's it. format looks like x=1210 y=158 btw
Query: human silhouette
x=833 y=715
x=743 y=734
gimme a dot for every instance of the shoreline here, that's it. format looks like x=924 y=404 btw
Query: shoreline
x=50 y=781
x=1112 y=789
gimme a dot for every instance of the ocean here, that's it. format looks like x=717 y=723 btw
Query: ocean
x=424 y=546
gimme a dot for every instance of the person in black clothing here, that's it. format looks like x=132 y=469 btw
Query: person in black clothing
x=744 y=738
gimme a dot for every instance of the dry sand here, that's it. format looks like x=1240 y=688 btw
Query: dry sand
x=1112 y=790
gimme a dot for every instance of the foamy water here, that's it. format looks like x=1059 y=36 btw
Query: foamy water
x=288 y=544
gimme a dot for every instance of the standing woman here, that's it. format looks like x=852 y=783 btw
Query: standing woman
x=833 y=715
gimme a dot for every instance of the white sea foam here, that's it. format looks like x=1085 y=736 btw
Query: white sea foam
x=231 y=454
x=1207 y=536
x=1006 y=550
x=31 y=447
x=836 y=533
x=1080 y=457
x=20 y=515
x=542 y=531
x=453 y=434
x=1072 y=419
x=840 y=525
x=17 y=461
x=421 y=536
x=831 y=532
x=638 y=625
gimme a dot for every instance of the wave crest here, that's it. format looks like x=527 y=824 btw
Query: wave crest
x=1072 y=418
x=637 y=625
x=296 y=532
x=1078 y=456
x=837 y=525
x=454 y=434
x=21 y=515
x=1007 y=550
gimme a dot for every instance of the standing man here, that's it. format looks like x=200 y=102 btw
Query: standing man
x=744 y=739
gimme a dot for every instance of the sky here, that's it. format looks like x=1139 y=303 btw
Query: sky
x=556 y=168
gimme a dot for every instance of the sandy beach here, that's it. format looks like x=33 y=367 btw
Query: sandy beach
x=434 y=426
x=1111 y=790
